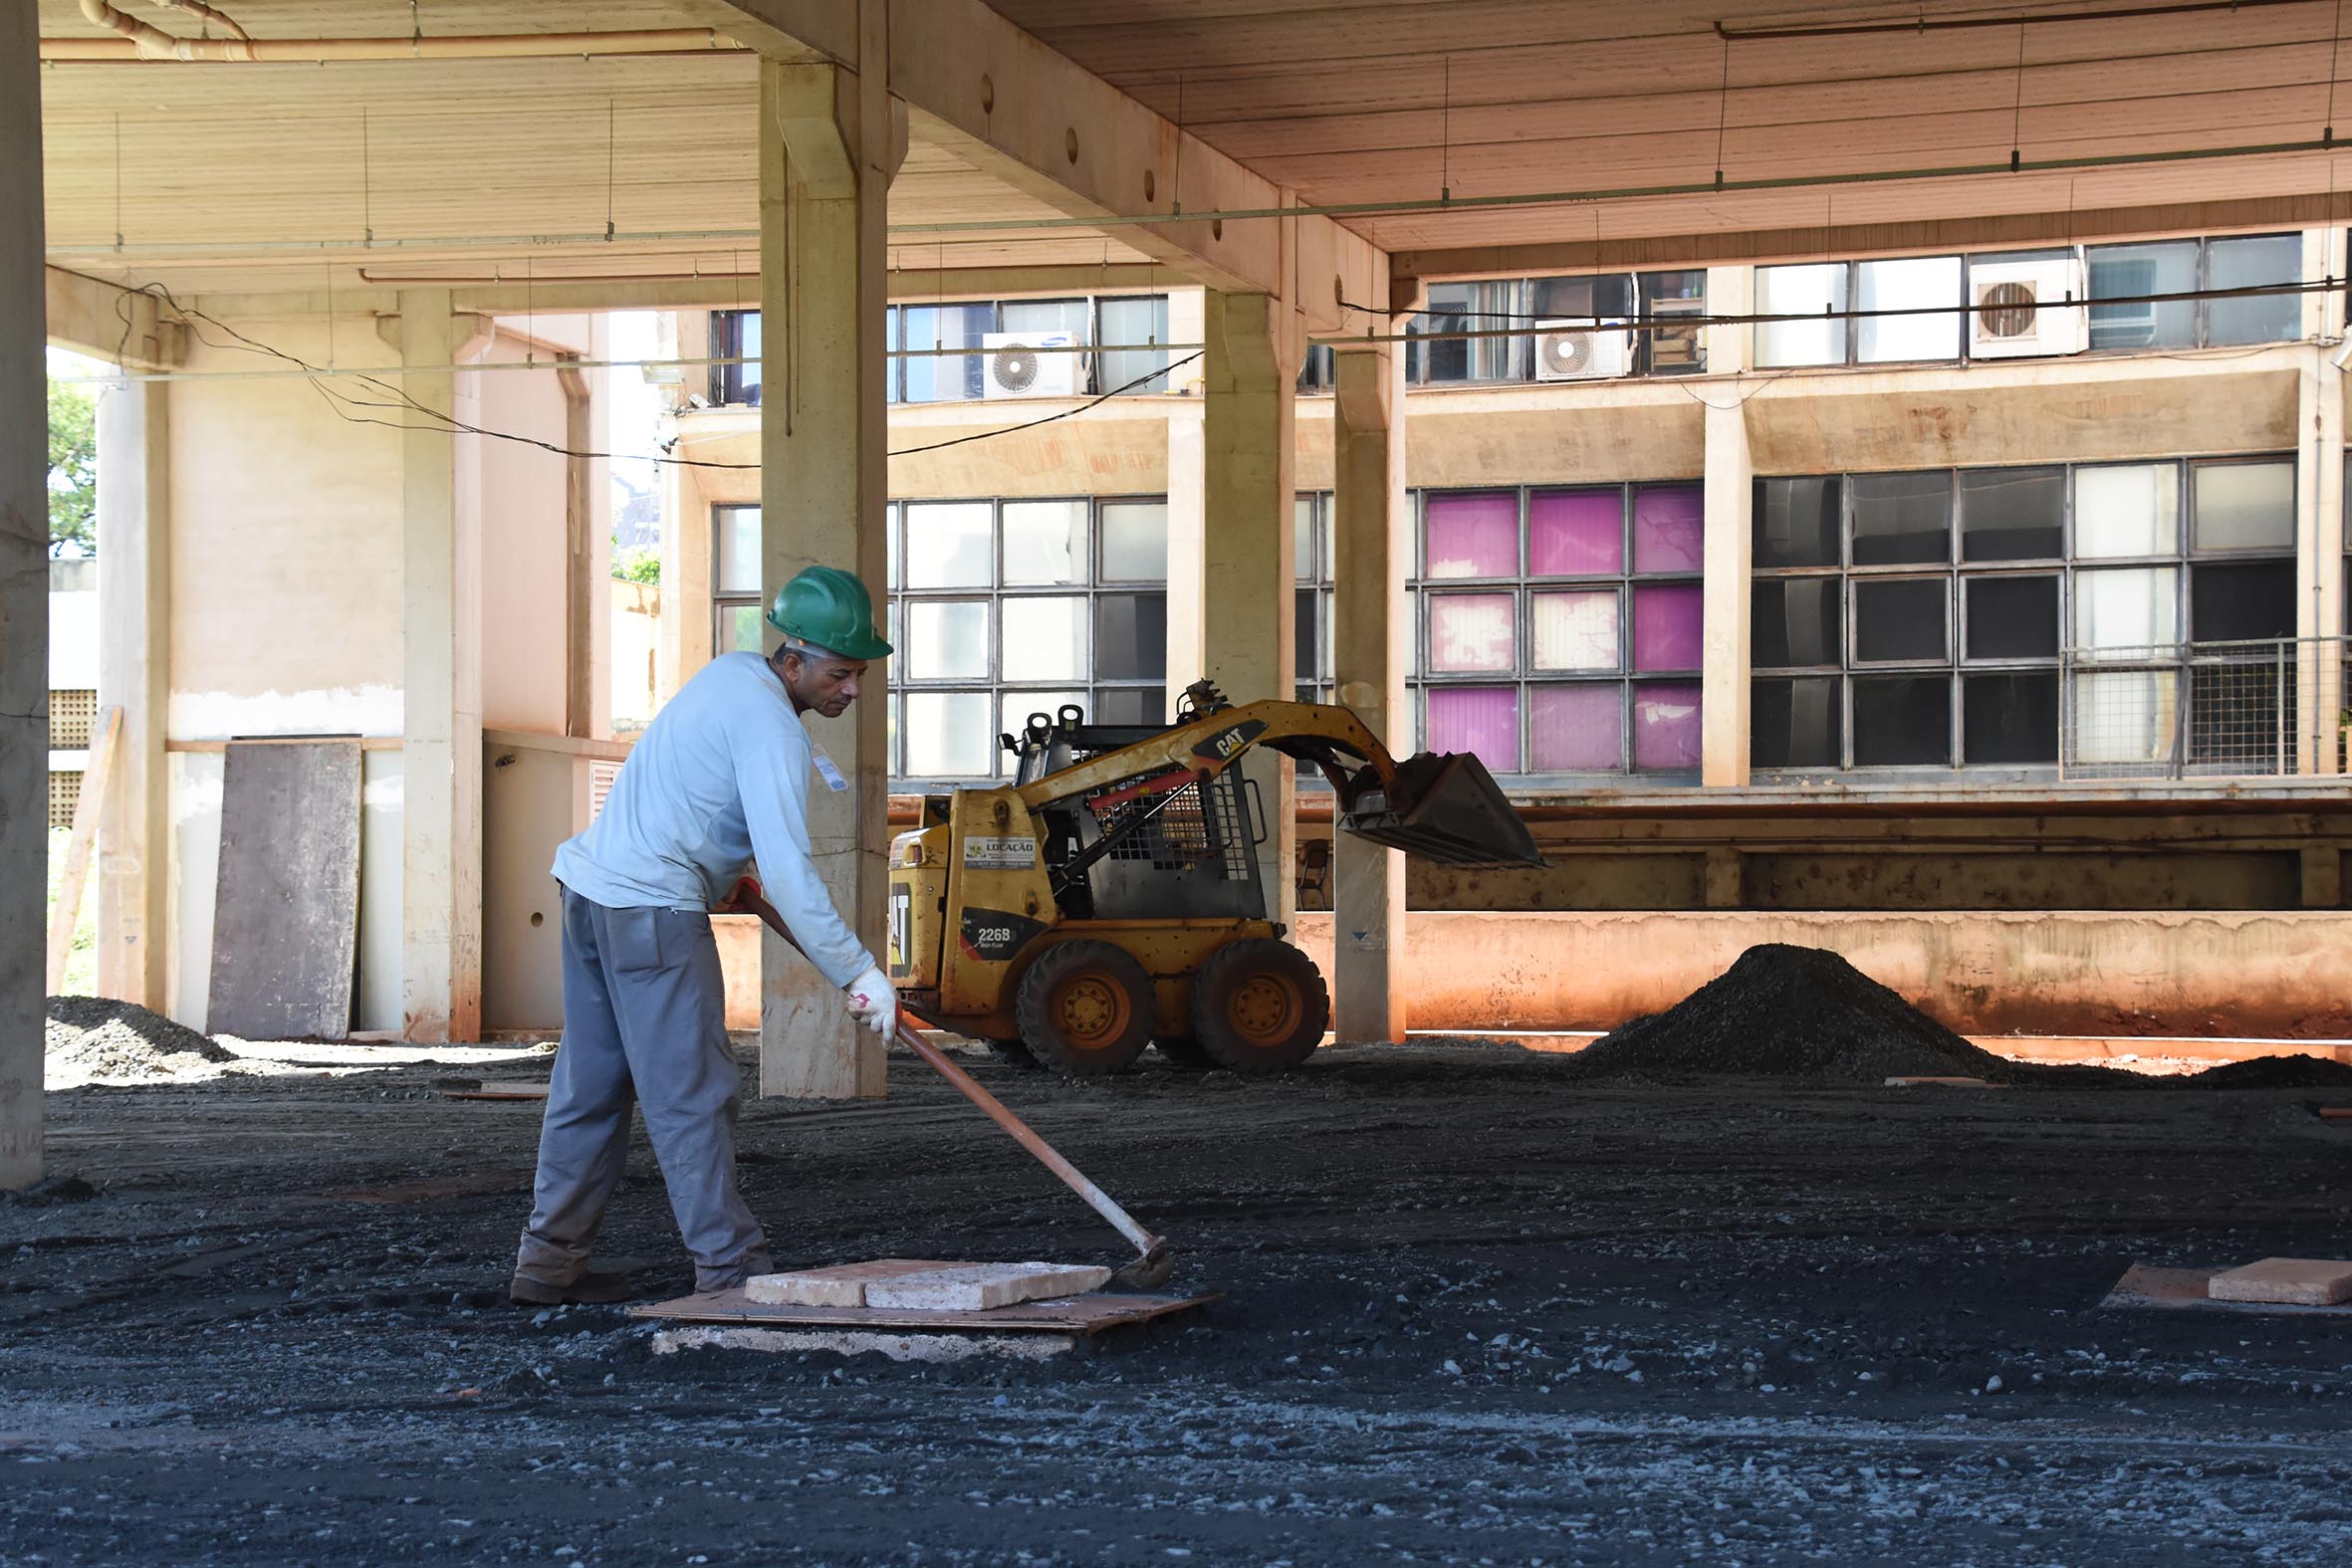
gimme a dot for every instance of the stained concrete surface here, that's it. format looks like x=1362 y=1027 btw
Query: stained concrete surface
x=1477 y=1313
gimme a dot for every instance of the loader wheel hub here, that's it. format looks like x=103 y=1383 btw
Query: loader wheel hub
x=1263 y=1007
x=1092 y=1010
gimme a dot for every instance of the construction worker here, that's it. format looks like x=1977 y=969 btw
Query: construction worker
x=721 y=778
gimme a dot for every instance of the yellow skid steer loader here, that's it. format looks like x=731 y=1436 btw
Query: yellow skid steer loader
x=1109 y=898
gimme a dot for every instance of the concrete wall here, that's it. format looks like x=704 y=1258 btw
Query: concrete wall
x=635 y=614
x=524 y=543
x=2275 y=975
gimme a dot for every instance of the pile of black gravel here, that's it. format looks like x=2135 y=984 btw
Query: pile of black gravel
x=1786 y=1012
x=105 y=1041
x=2270 y=1072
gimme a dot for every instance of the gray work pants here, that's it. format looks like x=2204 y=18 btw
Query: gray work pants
x=644 y=1022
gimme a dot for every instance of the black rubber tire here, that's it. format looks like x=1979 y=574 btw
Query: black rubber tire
x=1013 y=1054
x=1182 y=1051
x=1260 y=1006
x=1086 y=1009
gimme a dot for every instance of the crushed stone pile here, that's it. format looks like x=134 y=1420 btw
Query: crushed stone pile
x=97 y=1039
x=1785 y=1012
x=2270 y=1072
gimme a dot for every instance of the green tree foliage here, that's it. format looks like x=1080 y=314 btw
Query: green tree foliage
x=636 y=562
x=72 y=469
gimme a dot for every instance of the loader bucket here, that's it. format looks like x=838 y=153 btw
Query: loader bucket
x=1445 y=808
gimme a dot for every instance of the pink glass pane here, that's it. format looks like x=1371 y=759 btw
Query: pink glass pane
x=1669 y=527
x=1479 y=719
x=1666 y=625
x=1474 y=536
x=1665 y=726
x=1576 y=729
x=1575 y=533
x=1471 y=632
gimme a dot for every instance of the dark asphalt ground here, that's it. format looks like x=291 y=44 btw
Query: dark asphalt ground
x=1475 y=1313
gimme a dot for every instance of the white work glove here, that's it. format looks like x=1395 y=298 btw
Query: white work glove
x=872 y=1002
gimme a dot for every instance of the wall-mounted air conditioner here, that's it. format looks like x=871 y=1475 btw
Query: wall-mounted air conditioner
x=1016 y=367
x=1582 y=348
x=2026 y=308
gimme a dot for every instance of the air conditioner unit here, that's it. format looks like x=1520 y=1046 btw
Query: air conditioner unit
x=1017 y=369
x=1582 y=348
x=2023 y=308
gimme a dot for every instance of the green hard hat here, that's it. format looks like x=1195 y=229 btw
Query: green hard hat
x=829 y=607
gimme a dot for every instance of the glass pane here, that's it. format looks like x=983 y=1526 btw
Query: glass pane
x=1932 y=281
x=1572 y=534
x=1473 y=535
x=1669 y=527
x=1045 y=639
x=1673 y=350
x=2124 y=716
x=1302 y=537
x=1797 y=522
x=948 y=544
x=1577 y=728
x=1044 y=542
x=742 y=624
x=1306 y=639
x=1131 y=636
x=1458 y=307
x=739 y=550
x=1036 y=317
x=1481 y=720
x=890 y=532
x=2127 y=511
x=947 y=735
x=2130 y=608
x=2012 y=514
x=1795 y=621
x=1015 y=707
x=1665 y=726
x=1602 y=294
x=1574 y=632
x=944 y=377
x=1471 y=631
x=1902 y=519
x=1801 y=291
x=2233 y=603
x=1666 y=624
x=2127 y=273
x=1796 y=724
x=1135 y=542
x=1900 y=621
x=1130 y=705
x=2244 y=506
x=1902 y=720
x=2245 y=263
x=2012 y=617
x=946 y=639
x=2010 y=717
x=1134 y=322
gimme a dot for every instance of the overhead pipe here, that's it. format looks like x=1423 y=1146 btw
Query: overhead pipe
x=145 y=41
x=140 y=42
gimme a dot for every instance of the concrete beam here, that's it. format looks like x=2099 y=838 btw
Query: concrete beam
x=24 y=606
x=823 y=485
x=118 y=326
x=133 y=672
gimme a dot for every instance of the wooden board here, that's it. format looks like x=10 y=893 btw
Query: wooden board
x=1087 y=1315
x=2183 y=1290
x=286 y=909
x=497 y=1091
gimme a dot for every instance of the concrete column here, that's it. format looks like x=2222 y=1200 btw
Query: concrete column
x=1730 y=485
x=2319 y=570
x=441 y=679
x=1248 y=575
x=24 y=605
x=133 y=672
x=1187 y=655
x=827 y=150
x=1371 y=654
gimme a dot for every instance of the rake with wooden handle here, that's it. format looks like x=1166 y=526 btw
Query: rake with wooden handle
x=1156 y=1262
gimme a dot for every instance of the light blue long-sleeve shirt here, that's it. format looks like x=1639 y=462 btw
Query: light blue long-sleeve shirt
x=720 y=778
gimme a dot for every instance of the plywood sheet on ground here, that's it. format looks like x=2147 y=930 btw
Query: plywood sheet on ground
x=1087 y=1315
x=286 y=912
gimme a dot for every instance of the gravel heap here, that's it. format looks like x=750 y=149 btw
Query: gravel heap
x=2272 y=1073
x=1785 y=1012
x=97 y=1039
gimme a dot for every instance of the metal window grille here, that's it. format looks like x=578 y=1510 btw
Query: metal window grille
x=71 y=714
x=1191 y=829
x=2204 y=710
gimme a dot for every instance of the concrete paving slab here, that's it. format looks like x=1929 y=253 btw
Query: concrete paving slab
x=2293 y=1281
x=842 y=1285
x=984 y=1288
x=935 y=1348
x=2186 y=1290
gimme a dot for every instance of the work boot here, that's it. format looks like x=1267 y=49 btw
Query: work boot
x=592 y=1289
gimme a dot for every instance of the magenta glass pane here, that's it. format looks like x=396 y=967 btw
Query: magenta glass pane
x=1470 y=634
x=1665 y=726
x=1669 y=527
x=1480 y=718
x=1474 y=536
x=1665 y=626
x=1575 y=533
x=1576 y=729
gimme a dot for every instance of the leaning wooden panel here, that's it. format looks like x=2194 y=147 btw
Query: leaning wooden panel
x=286 y=910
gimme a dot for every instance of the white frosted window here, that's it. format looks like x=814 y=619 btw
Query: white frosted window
x=1045 y=639
x=1135 y=542
x=739 y=550
x=946 y=639
x=947 y=545
x=947 y=735
x=1932 y=281
x=2132 y=509
x=1045 y=543
x=2125 y=716
x=1801 y=291
x=2245 y=506
x=1576 y=631
x=2127 y=608
x=1471 y=631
